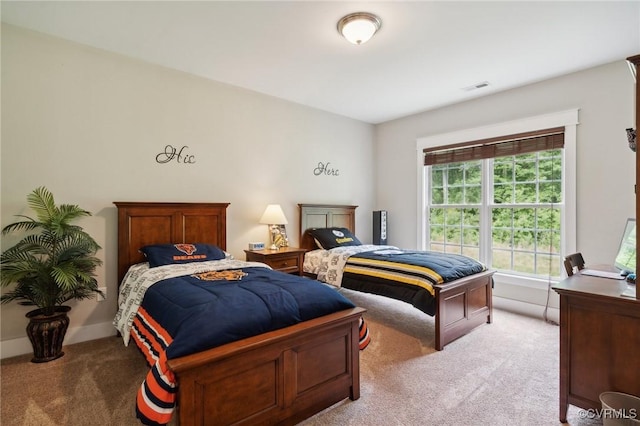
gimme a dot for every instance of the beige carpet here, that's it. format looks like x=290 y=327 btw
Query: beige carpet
x=505 y=373
x=94 y=383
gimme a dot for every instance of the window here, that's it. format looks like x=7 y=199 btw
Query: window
x=506 y=201
x=523 y=204
x=525 y=209
x=454 y=208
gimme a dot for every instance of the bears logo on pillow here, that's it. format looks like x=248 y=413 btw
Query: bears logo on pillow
x=188 y=249
x=168 y=254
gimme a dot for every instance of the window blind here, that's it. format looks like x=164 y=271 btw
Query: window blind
x=502 y=146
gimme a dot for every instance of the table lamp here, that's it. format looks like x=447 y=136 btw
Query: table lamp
x=273 y=216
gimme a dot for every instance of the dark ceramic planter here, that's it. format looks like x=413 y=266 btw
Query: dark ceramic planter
x=46 y=333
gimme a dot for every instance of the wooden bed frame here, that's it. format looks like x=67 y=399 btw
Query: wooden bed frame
x=461 y=305
x=280 y=377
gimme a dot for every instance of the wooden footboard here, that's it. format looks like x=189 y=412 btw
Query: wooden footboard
x=281 y=377
x=462 y=305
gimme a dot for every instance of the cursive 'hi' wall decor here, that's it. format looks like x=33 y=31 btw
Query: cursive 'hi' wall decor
x=172 y=153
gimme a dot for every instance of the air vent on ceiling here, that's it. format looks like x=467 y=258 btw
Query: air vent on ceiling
x=480 y=85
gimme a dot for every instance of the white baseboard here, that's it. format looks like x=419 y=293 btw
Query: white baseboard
x=524 y=308
x=21 y=346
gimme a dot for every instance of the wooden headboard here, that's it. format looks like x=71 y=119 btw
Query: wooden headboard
x=324 y=216
x=142 y=223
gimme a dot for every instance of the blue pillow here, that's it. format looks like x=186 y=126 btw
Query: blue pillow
x=170 y=254
x=328 y=238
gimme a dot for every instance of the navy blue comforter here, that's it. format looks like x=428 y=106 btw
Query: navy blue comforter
x=201 y=314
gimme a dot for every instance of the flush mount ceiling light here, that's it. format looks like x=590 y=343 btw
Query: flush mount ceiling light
x=359 y=27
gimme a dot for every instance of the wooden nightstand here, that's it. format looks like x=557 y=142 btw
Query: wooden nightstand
x=286 y=259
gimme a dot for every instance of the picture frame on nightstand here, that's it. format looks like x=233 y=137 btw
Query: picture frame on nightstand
x=280 y=236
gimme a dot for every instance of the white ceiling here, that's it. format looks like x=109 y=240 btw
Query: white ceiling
x=423 y=57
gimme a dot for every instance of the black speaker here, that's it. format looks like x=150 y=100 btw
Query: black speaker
x=380 y=227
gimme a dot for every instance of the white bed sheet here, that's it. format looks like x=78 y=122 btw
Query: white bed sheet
x=329 y=264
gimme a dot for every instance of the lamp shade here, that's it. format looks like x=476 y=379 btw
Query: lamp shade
x=359 y=27
x=273 y=215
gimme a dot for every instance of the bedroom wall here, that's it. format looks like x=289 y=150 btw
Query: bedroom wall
x=605 y=165
x=89 y=124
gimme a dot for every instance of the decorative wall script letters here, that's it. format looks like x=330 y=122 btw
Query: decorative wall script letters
x=179 y=155
x=324 y=169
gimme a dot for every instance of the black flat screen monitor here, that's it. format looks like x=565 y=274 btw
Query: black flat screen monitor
x=626 y=257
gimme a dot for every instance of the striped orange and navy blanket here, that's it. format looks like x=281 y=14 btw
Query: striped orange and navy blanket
x=191 y=313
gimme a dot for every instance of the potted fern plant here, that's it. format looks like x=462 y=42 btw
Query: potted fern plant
x=52 y=264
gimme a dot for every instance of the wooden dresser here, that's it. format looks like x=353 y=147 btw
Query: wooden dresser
x=599 y=341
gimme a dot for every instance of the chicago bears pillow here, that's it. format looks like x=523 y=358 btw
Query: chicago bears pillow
x=328 y=238
x=169 y=254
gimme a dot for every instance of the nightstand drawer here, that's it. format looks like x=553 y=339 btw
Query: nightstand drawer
x=284 y=263
x=286 y=259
